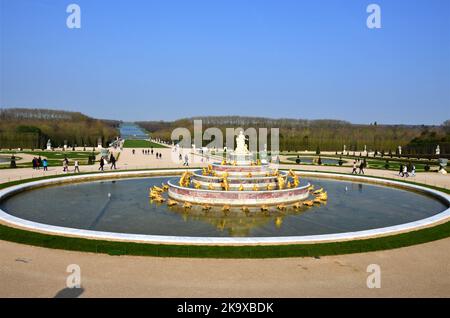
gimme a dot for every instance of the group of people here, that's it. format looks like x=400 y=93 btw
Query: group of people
x=406 y=170
x=76 y=165
x=103 y=162
x=147 y=151
x=38 y=163
x=158 y=155
x=361 y=164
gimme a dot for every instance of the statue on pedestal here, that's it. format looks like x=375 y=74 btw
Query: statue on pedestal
x=438 y=150
x=49 y=145
x=241 y=147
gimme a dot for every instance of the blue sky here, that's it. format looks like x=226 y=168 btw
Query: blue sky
x=163 y=60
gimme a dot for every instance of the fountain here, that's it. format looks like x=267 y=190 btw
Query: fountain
x=239 y=180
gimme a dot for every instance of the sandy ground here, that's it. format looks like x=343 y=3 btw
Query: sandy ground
x=416 y=271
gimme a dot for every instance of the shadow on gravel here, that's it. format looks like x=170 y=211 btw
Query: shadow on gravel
x=69 y=293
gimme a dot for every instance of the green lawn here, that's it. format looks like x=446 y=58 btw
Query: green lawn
x=141 y=144
x=294 y=250
x=377 y=163
x=54 y=158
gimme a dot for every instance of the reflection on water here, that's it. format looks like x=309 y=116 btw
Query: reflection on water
x=4 y=159
x=124 y=206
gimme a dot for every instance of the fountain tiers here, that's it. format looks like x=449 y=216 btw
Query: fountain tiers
x=240 y=173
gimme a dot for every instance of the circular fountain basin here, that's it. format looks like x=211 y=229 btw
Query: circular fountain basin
x=119 y=209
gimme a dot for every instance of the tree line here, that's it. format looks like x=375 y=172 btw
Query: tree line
x=31 y=128
x=331 y=135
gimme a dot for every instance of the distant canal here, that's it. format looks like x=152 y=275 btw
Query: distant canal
x=132 y=131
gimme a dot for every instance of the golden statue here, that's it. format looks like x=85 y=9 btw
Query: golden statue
x=281 y=182
x=225 y=184
x=171 y=202
x=296 y=180
x=241 y=188
x=185 y=179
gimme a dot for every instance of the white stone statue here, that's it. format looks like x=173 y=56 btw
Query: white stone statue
x=438 y=150
x=241 y=147
x=345 y=148
x=399 y=150
x=49 y=145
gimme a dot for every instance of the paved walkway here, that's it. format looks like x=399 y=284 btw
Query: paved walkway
x=416 y=271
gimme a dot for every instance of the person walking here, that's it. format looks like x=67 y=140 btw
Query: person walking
x=413 y=170
x=102 y=163
x=354 y=168
x=39 y=162
x=76 y=167
x=112 y=160
x=45 y=164
x=405 y=171
x=152 y=151
x=34 y=162
x=400 y=170
x=361 y=167
x=186 y=160
x=65 y=165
